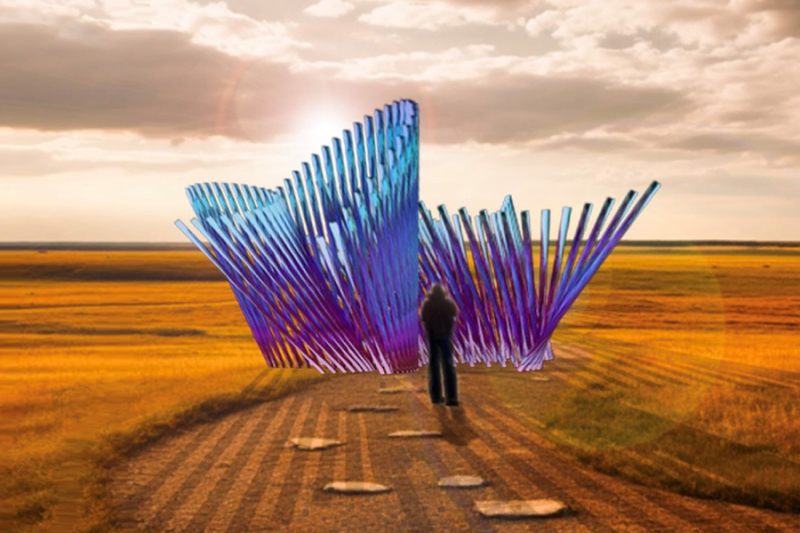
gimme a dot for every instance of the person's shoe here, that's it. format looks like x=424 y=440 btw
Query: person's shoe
x=452 y=403
x=438 y=401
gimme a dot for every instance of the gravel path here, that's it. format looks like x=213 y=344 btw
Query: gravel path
x=241 y=473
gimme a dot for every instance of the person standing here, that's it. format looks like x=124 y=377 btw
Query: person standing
x=438 y=316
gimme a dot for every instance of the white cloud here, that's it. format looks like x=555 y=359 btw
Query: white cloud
x=428 y=16
x=458 y=63
x=701 y=94
x=329 y=8
x=38 y=11
x=703 y=23
x=213 y=24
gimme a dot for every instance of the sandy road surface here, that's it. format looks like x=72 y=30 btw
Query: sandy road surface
x=238 y=474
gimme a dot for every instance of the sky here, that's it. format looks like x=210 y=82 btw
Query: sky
x=110 y=108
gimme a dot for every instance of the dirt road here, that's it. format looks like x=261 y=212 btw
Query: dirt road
x=239 y=474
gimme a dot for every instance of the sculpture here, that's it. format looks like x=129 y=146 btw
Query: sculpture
x=330 y=269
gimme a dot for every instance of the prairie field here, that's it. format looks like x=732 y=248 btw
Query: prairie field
x=101 y=351
x=678 y=367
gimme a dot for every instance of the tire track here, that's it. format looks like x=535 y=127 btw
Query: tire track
x=180 y=455
x=752 y=517
x=197 y=501
x=653 y=366
x=636 y=375
x=396 y=455
x=270 y=486
x=366 y=465
x=233 y=485
x=184 y=479
x=724 y=375
x=577 y=485
x=657 y=367
x=308 y=484
x=506 y=483
x=276 y=510
x=340 y=457
x=506 y=480
x=376 y=450
x=197 y=473
x=251 y=500
x=688 y=515
x=325 y=472
x=353 y=468
x=444 y=458
x=517 y=473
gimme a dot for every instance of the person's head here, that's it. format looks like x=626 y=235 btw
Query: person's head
x=437 y=291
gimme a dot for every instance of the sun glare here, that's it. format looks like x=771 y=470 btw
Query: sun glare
x=319 y=125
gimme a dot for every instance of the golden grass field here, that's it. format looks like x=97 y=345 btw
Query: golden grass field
x=693 y=383
x=103 y=350
x=100 y=350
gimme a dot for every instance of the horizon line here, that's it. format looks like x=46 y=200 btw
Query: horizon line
x=180 y=245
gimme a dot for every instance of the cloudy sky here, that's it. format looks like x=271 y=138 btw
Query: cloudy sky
x=109 y=108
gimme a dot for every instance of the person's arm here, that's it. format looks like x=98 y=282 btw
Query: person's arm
x=453 y=308
x=423 y=313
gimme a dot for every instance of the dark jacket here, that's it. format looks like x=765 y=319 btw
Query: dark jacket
x=438 y=315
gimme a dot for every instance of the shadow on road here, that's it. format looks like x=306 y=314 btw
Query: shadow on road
x=455 y=426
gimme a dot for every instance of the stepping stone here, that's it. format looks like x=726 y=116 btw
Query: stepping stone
x=520 y=508
x=314 y=443
x=461 y=482
x=356 y=487
x=410 y=433
x=372 y=408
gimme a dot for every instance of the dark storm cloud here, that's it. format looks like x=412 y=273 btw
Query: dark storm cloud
x=159 y=84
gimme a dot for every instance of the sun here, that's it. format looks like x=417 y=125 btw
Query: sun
x=320 y=124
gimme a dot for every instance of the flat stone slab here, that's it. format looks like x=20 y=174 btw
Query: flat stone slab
x=410 y=433
x=314 y=443
x=520 y=508
x=461 y=482
x=371 y=408
x=356 y=487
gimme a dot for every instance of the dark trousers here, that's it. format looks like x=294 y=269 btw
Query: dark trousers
x=441 y=361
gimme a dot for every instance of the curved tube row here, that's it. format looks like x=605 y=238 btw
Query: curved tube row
x=488 y=266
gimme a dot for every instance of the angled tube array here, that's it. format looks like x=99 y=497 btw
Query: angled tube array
x=325 y=268
x=507 y=311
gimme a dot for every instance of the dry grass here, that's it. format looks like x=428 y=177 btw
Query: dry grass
x=667 y=396
x=101 y=350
